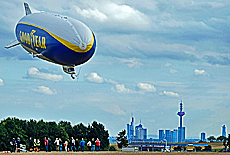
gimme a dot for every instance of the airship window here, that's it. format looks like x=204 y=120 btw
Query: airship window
x=71 y=69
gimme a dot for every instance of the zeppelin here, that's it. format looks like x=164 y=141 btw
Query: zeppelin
x=55 y=38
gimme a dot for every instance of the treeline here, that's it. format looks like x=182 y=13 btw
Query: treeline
x=14 y=127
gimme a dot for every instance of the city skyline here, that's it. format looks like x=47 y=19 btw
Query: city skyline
x=150 y=54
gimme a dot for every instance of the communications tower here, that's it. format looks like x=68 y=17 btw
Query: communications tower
x=181 y=129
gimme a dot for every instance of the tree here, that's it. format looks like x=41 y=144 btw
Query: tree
x=3 y=138
x=67 y=126
x=121 y=139
x=220 y=138
x=224 y=143
x=211 y=138
x=79 y=131
x=97 y=130
x=228 y=141
x=13 y=127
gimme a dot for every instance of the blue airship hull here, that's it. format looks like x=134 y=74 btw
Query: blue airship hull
x=55 y=38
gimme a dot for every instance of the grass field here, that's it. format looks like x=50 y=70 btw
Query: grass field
x=119 y=153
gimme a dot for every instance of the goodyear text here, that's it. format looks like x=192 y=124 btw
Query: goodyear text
x=32 y=39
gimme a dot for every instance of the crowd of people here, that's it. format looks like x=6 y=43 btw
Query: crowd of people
x=66 y=145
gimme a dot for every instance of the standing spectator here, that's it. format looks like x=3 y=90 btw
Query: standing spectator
x=93 y=145
x=69 y=143
x=35 y=145
x=82 y=144
x=89 y=145
x=77 y=145
x=66 y=145
x=18 y=144
x=56 y=142
x=49 y=144
x=98 y=145
x=60 y=144
x=38 y=145
x=31 y=144
x=72 y=144
x=46 y=144
x=13 y=145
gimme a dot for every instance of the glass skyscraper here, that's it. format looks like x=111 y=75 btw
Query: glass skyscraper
x=161 y=135
x=168 y=136
x=130 y=130
x=224 y=130
x=140 y=132
x=174 y=136
x=202 y=137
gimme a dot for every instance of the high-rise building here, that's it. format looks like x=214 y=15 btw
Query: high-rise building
x=168 y=136
x=174 y=137
x=181 y=129
x=202 y=137
x=140 y=132
x=224 y=130
x=130 y=130
x=161 y=135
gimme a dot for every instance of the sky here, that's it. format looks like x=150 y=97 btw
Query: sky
x=150 y=55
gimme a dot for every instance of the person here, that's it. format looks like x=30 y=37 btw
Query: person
x=89 y=145
x=18 y=144
x=49 y=144
x=13 y=145
x=77 y=145
x=66 y=145
x=72 y=144
x=56 y=142
x=31 y=144
x=46 y=144
x=38 y=144
x=93 y=145
x=98 y=144
x=60 y=144
x=82 y=144
x=35 y=145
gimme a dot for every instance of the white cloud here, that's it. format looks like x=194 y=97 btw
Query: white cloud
x=95 y=78
x=1 y=82
x=167 y=64
x=200 y=72
x=120 y=88
x=146 y=87
x=91 y=14
x=173 y=71
x=114 y=109
x=45 y=90
x=170 y=94
x=113 y=15
x=35 y=73
x=110 y=81
x=131 y=62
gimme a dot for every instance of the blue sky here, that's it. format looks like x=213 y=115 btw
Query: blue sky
x=150 y=55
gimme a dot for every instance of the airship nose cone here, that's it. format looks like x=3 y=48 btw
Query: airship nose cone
x=82 y=45
x=83 y=35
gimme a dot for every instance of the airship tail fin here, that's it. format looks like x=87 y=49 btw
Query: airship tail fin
x=14 y=43
x=27 y=8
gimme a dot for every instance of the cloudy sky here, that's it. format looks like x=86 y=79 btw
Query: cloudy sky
x=150 y=55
